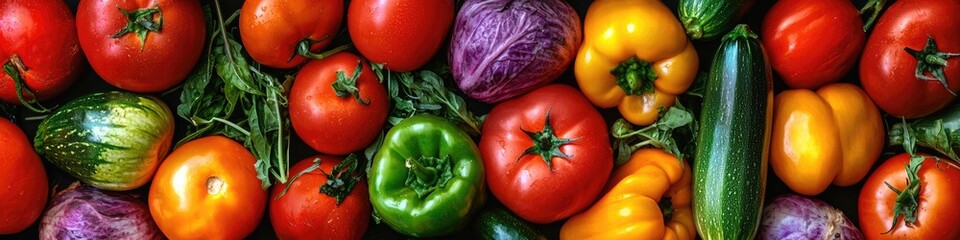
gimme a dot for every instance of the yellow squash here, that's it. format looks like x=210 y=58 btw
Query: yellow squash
x=647 y=198
x=636 y=56
x=833 y=135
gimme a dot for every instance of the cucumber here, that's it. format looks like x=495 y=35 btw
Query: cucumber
x=708 y=19
x=730 y=168
x=939 y=132
x=498 y=223
x=112 y=141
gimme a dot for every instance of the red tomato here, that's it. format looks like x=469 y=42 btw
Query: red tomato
x=43 y=37
x=303 y=212
x=937 y=208
x=887 y=71
x=23 y=181
x=402 y=34
x=128 y=61
x=272 y=30
x=331 y=123
x=557 y=119
x=812 y=43
x=207 y=189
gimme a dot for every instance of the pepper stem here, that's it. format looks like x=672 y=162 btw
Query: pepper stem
x=546 y=144
x=303 y=49
x=141 y=22
x=874 y=7
x=345 y=86
x=930 y=59
x=427 y=174
x=908 y=199
x=14 y=67
x=666 y=208
x=635 y=76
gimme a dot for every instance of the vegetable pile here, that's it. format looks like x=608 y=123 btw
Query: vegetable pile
x=479 y=119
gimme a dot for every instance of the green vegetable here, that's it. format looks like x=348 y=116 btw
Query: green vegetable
x=661 y=134
x=940 y=132
x=498 y=223
x=112 y=141
x=227 y=95
x=709 y=19
x=730 y=168
x=427 y=179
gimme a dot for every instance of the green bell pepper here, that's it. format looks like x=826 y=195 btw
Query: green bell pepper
x=427 y=178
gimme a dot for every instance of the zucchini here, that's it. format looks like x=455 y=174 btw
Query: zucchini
x=939 y=132
x=708 y=19
x=497 y=223
x=112 y=141
x=730 y=168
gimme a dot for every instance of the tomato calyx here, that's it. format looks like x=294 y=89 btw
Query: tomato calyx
x=930 y=59
x=546 y=144
x=14 y=67
x=635 y=76
x=428 y=174
x=666 y=208
x=873 y=7
x=345 y=86
x=340 y=181
x=141 y=22
x=303 y=49
x=908 y=199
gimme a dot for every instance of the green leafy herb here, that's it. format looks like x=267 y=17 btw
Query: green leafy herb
x=210 y=101
x=661 y=134
x=424 y=92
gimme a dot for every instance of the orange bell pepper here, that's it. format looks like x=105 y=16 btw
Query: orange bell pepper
x=636 y=56
x=647 y=198
x=831 y=136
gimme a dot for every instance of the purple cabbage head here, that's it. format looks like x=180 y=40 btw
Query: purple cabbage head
x=504 y=48
x=793 y=217
x=84 y=212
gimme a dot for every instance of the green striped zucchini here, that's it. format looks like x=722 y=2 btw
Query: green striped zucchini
x=113 y=141
x=709 y=19
x=730 y=168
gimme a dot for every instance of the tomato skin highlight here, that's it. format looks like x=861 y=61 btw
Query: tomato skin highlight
x=43 y=35
x=207 y=189
x=803 y=61
x=526 y=184
x=887 y=72
x=937 y=208
x=23 y=180
x=332 y=124
x=303 y=212
x=402 y=34
x=272 y=29
x=163 y=60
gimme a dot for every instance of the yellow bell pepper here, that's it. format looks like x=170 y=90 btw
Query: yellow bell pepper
x=831 y=136
x=635 y=55
x=647 y=198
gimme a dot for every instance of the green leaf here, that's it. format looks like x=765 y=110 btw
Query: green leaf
x=233 y=68
x=663 y=134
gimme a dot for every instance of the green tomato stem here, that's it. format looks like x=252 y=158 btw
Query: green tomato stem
x=14 y=67
x=141 y=22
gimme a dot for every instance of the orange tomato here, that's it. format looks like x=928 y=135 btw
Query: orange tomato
x=207 y=189
x=833 y=135
x=23 y=181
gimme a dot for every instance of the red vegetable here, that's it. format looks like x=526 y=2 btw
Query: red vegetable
x=401 y=34
x=547 y=153
x=906 y=68
x=280 y=33
x=141 y=46
x=812 y=43
x=337 y=104
x=323 y=203
x=38 y=42
x=23 y=181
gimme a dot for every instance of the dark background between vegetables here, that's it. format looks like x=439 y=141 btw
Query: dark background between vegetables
x=844 y=198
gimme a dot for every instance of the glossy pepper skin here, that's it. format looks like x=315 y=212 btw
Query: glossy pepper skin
x=635 y=56
x=427 y=180
x=833 y=135
x=647 y=198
